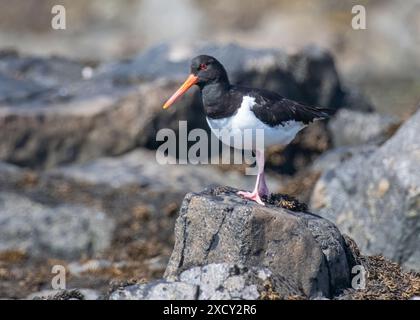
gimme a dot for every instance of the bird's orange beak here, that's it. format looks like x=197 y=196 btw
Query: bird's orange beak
x=191 y=80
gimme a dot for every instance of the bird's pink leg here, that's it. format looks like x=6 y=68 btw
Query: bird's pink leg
x=263 y=189
x=260 y=186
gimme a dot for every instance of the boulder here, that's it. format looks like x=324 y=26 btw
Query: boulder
x=138 y=194
x=218 y=281
x=353 y=128
x=24 y=78
x=333 y=158
x=44 y=135
x=134 y=189
x=217 y=226
x=375 y=197
x=61 y=231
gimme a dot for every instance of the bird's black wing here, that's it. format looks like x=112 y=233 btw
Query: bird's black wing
x=274 y=110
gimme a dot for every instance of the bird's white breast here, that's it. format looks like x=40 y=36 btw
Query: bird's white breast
x=238 y=127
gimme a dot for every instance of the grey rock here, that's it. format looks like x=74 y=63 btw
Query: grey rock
x=12 y=176
x=78 y=268
x=84 y=294
x=160 y=290
x=140 y=167
x=375 y=197
x=127 y=188
x=217 y=226
x=314 y=71
x=218 y=281
x=62 y=231
x=13 y=90
x=48 y=72
x=134 y=182
x=44 y=136
x=335 y=157
x=352 y=128
x=356 y=100
x=221 y=282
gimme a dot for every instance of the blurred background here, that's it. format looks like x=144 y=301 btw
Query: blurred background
x=80 y=109
x=383 y=60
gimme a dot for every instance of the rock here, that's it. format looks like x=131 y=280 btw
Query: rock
x=141 y=197
x=79 y=294
x=13 y=90
x=352 y=128
x=13 y=177
x=47 y=72
x=314 y=70
x=141 y=168
x=63 y=231
x=134 y=188
x=335 y=157
x=51 y=114
x=356 y=100
x=216 y=226
x=161 y=290
x=69 y=118
x=220 y=281
x=44 y=136
x=375 y=197
x=94 y=265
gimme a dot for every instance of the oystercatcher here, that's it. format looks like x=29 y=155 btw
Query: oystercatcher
x=233 y=110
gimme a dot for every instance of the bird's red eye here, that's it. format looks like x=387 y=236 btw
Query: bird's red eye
x=203 y=66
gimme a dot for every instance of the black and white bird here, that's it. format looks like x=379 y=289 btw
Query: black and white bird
x=233 y=110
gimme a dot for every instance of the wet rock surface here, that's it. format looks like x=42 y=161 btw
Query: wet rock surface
x=374 y=197
x=218 y=226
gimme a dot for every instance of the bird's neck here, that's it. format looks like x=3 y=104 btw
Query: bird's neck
x=215 y=97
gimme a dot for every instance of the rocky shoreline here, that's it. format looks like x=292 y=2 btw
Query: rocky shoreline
x=80 y=186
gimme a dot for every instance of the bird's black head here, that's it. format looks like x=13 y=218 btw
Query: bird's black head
x=208 y=70
x=205 y=70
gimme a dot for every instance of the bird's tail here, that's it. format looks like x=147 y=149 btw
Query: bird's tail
x=316 y=113
x=324 y=113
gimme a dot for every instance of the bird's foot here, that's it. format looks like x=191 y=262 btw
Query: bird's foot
x=254 y=196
